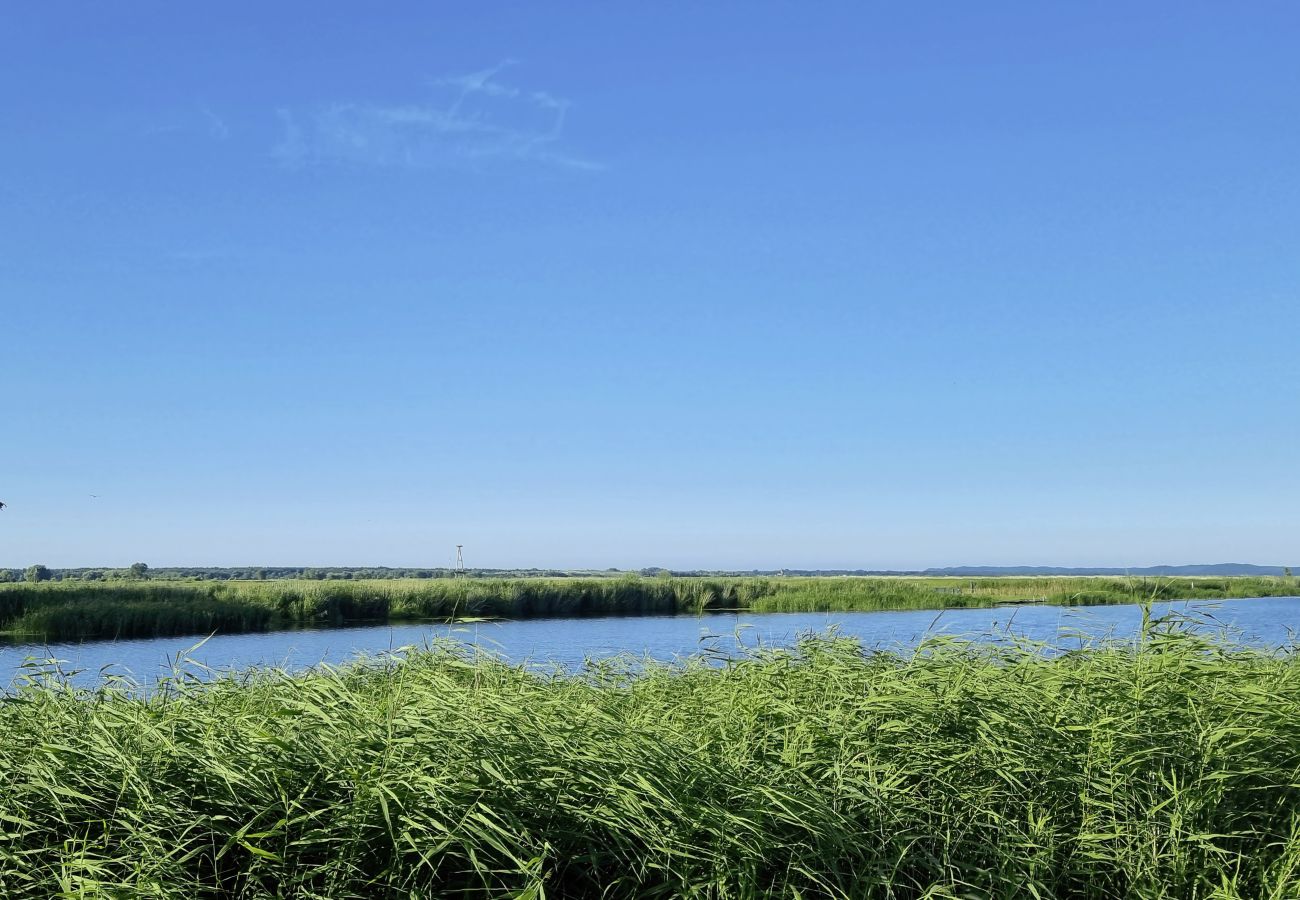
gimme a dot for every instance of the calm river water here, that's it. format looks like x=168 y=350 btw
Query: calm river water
x=1266 y=622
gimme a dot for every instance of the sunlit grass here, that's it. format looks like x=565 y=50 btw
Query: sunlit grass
x=1166 y=769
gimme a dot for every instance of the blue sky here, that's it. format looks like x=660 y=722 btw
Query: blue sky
x=747 y=285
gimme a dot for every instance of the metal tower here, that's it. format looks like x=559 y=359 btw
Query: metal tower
x=459 y=571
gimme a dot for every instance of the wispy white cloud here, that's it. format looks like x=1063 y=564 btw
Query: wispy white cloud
x=216 y=125
x=202 y=121
x=466 y=119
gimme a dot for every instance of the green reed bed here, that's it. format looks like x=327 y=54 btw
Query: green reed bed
x=1169 y=770
x=79 y=611
x=73 y=610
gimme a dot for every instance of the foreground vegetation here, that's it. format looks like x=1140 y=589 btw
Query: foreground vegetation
x=1165 y=771
x=69 y=610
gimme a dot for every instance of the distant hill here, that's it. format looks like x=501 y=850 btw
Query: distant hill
x=1202 y=570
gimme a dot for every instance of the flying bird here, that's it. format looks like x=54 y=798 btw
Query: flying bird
x=2 y=504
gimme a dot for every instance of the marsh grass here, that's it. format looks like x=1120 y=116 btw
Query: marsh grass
x=90 y=610
x=1161 y=769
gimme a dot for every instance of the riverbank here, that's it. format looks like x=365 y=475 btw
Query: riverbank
x=72 y=610
x=822 y=772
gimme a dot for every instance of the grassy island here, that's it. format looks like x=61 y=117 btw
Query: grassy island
x=79 y=610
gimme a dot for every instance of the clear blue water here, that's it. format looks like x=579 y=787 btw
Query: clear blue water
x=1266 y=622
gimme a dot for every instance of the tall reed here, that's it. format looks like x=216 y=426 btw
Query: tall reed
x=1162 y=770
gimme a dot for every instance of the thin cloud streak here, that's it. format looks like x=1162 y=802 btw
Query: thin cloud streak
x=216 y=125
x=471 y=118
x=213 y=125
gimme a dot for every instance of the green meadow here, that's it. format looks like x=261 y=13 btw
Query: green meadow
x=81 y=610
x=1166 y=768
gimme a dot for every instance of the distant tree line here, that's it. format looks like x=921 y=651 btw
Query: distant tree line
x=39 y=572
x=141 y=571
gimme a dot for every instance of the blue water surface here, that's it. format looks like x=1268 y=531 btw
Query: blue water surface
x=1263 y=622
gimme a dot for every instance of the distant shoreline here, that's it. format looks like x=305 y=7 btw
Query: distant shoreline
x=155 y=606
x=326 y=573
